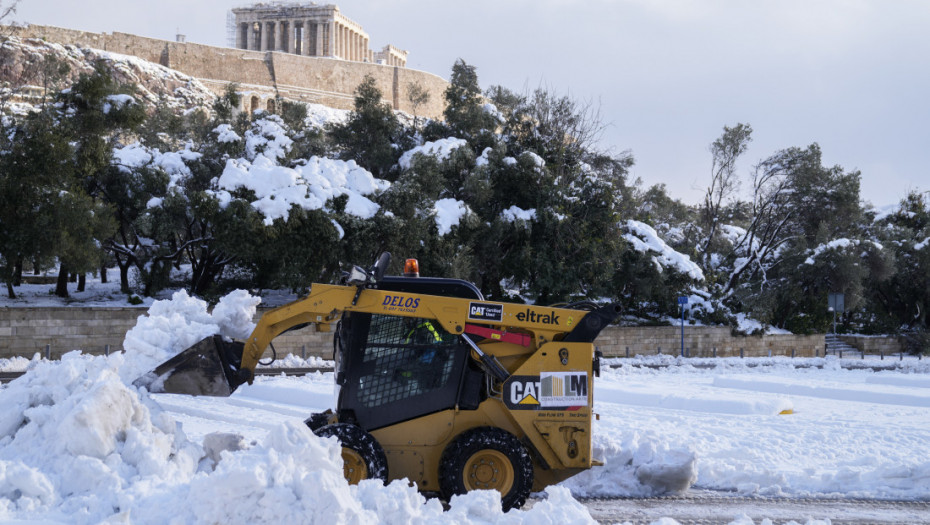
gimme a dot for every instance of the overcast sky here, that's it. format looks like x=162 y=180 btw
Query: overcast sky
x=667 y=75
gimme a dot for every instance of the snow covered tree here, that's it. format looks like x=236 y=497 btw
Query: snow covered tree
x=799 y=208
x=901 y=300
x=369 y=135
x=724 y=181
x=35 y=165
x=96 y=111
x=466 y=115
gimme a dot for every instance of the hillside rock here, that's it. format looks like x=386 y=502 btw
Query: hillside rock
x=22 y=76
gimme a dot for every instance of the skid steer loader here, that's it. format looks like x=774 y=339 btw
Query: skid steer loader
x=434 y=383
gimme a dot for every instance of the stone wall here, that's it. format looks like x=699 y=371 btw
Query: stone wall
x=327 y=81
x=704 y=341
x=875 y=345
x=24 y=331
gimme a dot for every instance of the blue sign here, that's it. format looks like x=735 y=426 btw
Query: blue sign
x=682 y=300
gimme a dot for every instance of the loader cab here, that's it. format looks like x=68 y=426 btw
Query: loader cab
x=391 y=368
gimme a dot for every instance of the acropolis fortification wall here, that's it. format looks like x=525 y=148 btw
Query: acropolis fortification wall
x=263 y=74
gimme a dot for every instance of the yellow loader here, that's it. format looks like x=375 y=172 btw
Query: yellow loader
x=435 y=384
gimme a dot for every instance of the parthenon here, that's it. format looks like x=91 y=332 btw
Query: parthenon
x=308 y=29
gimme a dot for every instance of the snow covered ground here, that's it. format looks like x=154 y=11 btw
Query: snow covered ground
x=78 y=445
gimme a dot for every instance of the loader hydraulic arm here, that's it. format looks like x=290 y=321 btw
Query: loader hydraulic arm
x=326 y=303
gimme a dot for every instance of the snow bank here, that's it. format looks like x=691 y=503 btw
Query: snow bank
x=77 y=445
x=903 y=396
x=645 y=240
x=645 y=394
x=635 y=465
x=16 y=364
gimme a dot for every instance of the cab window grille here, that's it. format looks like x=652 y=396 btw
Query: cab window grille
x=409 y=357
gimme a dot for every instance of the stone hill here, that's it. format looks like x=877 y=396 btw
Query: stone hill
x=263 y=76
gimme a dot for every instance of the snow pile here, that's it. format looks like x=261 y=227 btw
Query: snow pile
x=449 y=213
x=76 y=444
x=636 y=465
x=440 y=149
x=295 y=477
x=79 y=446
x=16 y=363
x=645 y=240
x=174 y=325
x=294 y=361
x=309 y=185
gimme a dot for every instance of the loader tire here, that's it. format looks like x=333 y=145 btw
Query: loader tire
x=318 y=419
x=487 y=458
x=362 y=455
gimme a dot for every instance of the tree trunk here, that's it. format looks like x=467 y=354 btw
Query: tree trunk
x=18 y=273
x=82 y=282
x=61 y=287
x=124 y=279
x=72 y=278
x=9 y=289
x=103 y=274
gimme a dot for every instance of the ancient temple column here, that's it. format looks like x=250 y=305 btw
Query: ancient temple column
x=273 y=36
x=331 y=39
x=350 y=44
x=305 y=47
x=310 y=38
x=345 y=43
x=319 y=40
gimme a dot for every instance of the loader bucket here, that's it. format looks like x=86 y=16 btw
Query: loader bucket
x=209 y=368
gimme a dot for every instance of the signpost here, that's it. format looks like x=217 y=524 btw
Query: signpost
x=682 y=301
x=836 y=303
